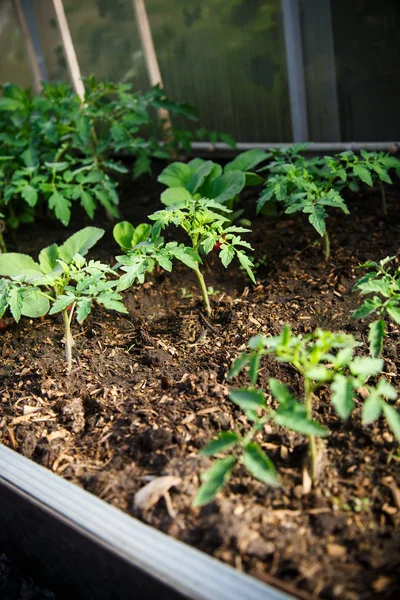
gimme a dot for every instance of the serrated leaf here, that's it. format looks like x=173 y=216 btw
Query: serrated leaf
x=15 y=302
x=317 y=220
x=61 y=303
x=371 y=409
x=342 y=397
x=369 y=306
x=377 y=331
x=260 y=465
x=61 y=206
x=88 y=203
x=365 y=367
x=142 y=165
x=363 y=173
x=83 y=308
x=238 y=365
x=30 y=195
x=214 y=479
x=225 y=440
x=394 y=311
x=247 y=264
x=386 y=389
x=279 y=391
x=393 y=418
x=319 y=373
x=227 y=254
x=248 y=399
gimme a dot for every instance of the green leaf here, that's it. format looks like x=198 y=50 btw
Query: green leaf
x=365 y=367
x=394 y=311
x=226 y=187
x=227 y=254
x=386 y=389
x=377 y=331
x=372 y=408
x=61 y=303
x=141 y=233
x=13 y=264
x=80 y=243
x=177 y=174
x=246 y=161
x=186 y=256
x=123 y=234
x=319 y=373
x=34 y=305
x=317 y=220
x=279 y=391
x=254 y=366
x=214 y=480
x=175 y=195
x=342 y=397
x=30 y=195
x=15 y=302
x=199 y=175
x=10 y=104
x=83 y=308
x=142 y=165
x=248 y=399
x=363 y=174
x=61 y=206
x=294 y=417
x=238 y=365
x=247 y=264
x=260 y=465
x=367 y=307
x=393 y=418
x=253 y=179
x=87 y=202
x=225 y=440
x=48 y=258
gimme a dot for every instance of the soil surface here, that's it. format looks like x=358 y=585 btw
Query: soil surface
x=148 y=390
x=15 y=586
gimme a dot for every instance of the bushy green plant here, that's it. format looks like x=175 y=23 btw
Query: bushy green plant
x=61 y=281
x=322 y=358
x=209 y=180
x=56 y=149
x=383 y=280
x=205 y=222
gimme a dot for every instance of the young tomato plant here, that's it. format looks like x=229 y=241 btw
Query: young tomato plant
x=383 y=279
x=202 y=221
x=61 y=281
x=326 y=359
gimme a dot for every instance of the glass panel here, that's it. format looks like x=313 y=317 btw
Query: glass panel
x=14 y=64
x=367 y=49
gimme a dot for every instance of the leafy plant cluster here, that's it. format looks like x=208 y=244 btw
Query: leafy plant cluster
x=56 y=149
x=323 y=359
x=313 y=185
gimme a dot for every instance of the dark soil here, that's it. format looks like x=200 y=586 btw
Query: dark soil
x=148 y=390
x=15 y=586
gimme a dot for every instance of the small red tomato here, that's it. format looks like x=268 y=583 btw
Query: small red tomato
x=219 y=244
x=3 y=325
x=69 y=308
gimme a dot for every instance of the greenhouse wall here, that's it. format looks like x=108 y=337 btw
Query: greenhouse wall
x=266 y=71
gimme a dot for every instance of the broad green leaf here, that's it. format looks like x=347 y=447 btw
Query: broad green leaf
x=248 y=399
x=175 y=195
x=246 y=161
x=342 y=397
x=34 y=305
x=30 y=195
x=393 y=418
x=225 y=440
x=198 y=177
x=13 y=264
x=253 y=179
x=214 y=480
x=377 y=331
x=123 y=234
x=80 y=243
x=226 y=187
x=61 y=206
x=10 y=104
x=141 y=233
x=372 y=408
x=186 y=256
x=176 y=174
x=260 y=465
x=48 y=258
x=365 y=367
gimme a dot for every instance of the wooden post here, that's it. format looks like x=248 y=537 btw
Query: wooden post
x=150 y=56
x=30 y=51
x=69 y=50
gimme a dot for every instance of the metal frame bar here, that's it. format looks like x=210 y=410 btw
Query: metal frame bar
x=82 y=548
x=31 y=22
x=295 y=70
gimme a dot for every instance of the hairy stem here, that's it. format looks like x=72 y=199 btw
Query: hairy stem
x=206 y=300
x=68 y=339
x=383 y=196
x=326 y=245
x=312 y=447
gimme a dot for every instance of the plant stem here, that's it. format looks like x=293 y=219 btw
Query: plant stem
x=383 y=196
x=326 y=245
x=68 y=339
x=206 y=300
x=3 y=247
x=312 y=448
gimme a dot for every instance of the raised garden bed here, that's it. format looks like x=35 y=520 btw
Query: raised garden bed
x=148 y=390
